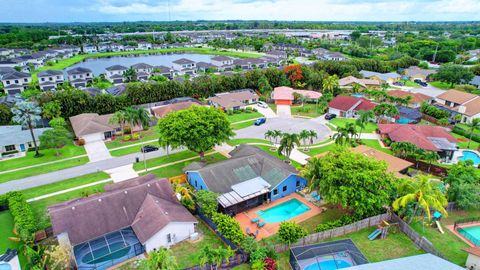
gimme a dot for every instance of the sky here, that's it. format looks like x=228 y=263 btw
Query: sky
x=38 y=11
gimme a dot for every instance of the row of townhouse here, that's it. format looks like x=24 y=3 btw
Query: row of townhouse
x=26 y=60
x=142 y=45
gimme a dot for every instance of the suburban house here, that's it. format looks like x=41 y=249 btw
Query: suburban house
x=114 y=73
x=429 y=138
x=459 y=102
x=16 y=82
x=416 y=98
x=116 y=90
x=416 y=73
x=131 y=217
x=144 y=45
x=249 y=178
x=284 y=95
x=395 y=165
x=184 y=65
x=50 y=79
x=161 y=111
x=162 y=71
x=143 y=71
x=233 y=100
x=390 y=77
x=349 y=81
x=348 y=106
x=204 y=66
x=473 y=259
x=475 y=81
x=89 y=48
x=93 y=127
x=79 y=77
x=14 y=140
x=277 y=54
x=222 y=62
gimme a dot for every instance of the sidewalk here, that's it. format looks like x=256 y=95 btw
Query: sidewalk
x=68 y=190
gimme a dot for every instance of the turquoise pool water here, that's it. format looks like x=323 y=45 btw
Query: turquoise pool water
x=404 y=120
x=328 y=265
x=357 y=95
x=471 y=233
x=469 y=155
x=283 y=211
x=5 y=266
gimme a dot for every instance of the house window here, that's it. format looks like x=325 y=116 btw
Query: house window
x=42 y=79
x=275 y=191
x=9 y=148
x=297 y=184
x=16 y=81
x=195 y=182
x=284 y=188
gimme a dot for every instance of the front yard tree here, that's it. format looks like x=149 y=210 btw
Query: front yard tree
x=363 y=118
x=290 y=232
x=454 y=74
x=55 y=138
x=198 y=128
x=304 y=135
x=160 y=259
x=424 y=193
x=27 y=114
x=287 y=144
x=358 y=183
x=472 y=125
x=5 y=115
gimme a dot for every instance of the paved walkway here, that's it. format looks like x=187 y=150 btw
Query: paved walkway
x=370 y=136
x=283 y=111
x=299 y=156
x=68 y=190
x=267 y=112
x=122 y=173
x=97 y=151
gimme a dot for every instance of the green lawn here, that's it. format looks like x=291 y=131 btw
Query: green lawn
x=42 y=169
x=148 y=135
x=6 y=230
x=246 y=141
x=309 y=110
x=176 y=169
x=319 y=150
x=376 y=145
x=40 y=207
x=467 y=128
x=441 y=85
x=188 y=253
x=243 y=116
x=463 y=142
x=48 y=155
x=243 y=125
x=326 y=216
x=65 y=184
x=341 y=122
x=409 y=83
x=154 y=162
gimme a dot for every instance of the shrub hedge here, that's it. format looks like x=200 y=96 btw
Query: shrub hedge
x=460 y=131
x=344 y=220
x=22 y=213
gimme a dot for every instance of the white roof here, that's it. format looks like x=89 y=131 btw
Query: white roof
x=250 y=186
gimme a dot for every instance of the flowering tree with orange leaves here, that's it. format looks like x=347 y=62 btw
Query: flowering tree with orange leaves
x=293 y=72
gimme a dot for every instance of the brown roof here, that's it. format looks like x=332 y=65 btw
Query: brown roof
x=89 y=123
x=233 y=99
x=456 y=96
x=395 y=165
x=161 y=111
x=414 y=70
x=416 y=97
x=472 y=107
x=363 y=82
x=145 y=203
x=473 y=250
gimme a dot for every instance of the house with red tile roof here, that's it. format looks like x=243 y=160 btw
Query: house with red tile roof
x=348 y=106
x=283 y=95
x=416 y=98
x=429 y=138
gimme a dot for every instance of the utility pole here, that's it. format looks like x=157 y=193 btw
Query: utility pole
x=435 y=54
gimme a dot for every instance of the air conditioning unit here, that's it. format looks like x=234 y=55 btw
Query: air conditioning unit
x=194 y=236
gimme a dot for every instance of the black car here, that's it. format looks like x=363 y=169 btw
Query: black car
x=330 y=116
x=398 y=84
x=148 y=148
x=422 y=83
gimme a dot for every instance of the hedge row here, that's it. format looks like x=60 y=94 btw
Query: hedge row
x=344 y=220
x=460 y=131
x=22 y=213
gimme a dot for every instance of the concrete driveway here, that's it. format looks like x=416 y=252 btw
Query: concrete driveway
x=267 y=112
x=283 y=111
x=430 y=90
x=96 y=150
x=290 y=125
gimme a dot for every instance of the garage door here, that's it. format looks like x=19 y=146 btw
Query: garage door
x=93 y=137
x=283 y=102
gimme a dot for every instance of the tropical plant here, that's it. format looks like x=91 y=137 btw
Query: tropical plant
x=304 y=135
x=287 y=144
x=424 y=192
x=55 y=138
x=51 y=109
x=277 y=134
x=430 y=157
x=363 y=119
x=472 y=125
x=130 y=75
x=160 y=259
x=269 y=135
x=404 y=149
x=329 y=84
x=229 y=227
x=312 y=135
x=207 y=201
x=385 y=110
x=27 y=114
x=119 y=118
x=290 y=232
x=215 y=257
x=59 y=257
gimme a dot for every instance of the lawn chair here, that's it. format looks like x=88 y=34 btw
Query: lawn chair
x=255 y=220
x=261 y=224
x=317 y=198
x=255 y=234
x=314 y=194
x=248 y=231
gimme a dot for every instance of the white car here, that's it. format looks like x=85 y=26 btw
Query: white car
x=262 y=104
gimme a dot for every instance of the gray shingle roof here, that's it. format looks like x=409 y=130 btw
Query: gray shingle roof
x=183 y=61
x=383 y=76
x=50 y=73
x=424 y=262
x=116 y=67
x=141 y=66
x=16 y=75
x=78 y=70
x=15 y=135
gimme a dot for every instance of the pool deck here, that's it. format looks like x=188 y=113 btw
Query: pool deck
x=451 y=229
x=271 y=228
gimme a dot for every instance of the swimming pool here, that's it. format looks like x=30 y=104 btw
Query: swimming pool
x=357 y=95
x=469 y=155
x=405 y=120
x=5 y=266
x=329 y=264
x=284 y=211
x=471 y=233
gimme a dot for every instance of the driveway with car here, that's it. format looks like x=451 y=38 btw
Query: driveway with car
x=96 y=150
x=290 y=125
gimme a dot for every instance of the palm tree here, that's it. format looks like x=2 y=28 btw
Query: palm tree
x=143 y=117
x=312 y=173
x=351 y=131
x=27 y=114
x=277 y=134
x=160 y=259
x=130 y=75
x=474 y=124
x=269 y=135
x=312 y=134
x=304 y=135
x=363 y=119
x=329 y=84
x=430 y=157
x=287 y=144
x=403 y=149
x=118 y=117
x=424 y=192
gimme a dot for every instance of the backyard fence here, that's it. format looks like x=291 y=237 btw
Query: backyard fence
x=354 y=227
x=451 y=206
x=428 y=168
x=212 y=226
x=238 y=259
x=466 y=221
x=418 y=240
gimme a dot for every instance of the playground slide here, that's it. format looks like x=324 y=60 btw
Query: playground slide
x=374 y=234
x=439 y=227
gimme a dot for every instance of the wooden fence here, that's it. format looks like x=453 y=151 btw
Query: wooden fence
x=428 y=168
x=418 y=240
x=354 y=227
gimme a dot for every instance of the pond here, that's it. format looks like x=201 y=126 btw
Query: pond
x=98 y=65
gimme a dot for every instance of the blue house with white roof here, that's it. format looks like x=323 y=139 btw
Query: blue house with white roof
x=248 y=179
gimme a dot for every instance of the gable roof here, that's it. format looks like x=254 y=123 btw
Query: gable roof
x=346 y=103
x=394 y=164
x=183 y=61
x=416 y=97
x=16 y=75
x=233 y=98
x=414 y=70
x=247 y=162
x=145 y=203
x=221 y=58
x=382 y=76
x=161 y=111
x=78 y=70
x=89 y=123
x=472 y=107
x=141 y=66
x=363 y=82
x=116 y=67
x=423 y=136
x=50 y=73
x=286 y=93
x=456 y=96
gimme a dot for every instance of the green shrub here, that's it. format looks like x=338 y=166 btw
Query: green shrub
x=207 y=201
x=127 y=138
x=237 y=111
x=344 y=220
x=22 y=213
x=3 y=200
x=127 y=130
x=9 y=152
x=460 y=131
x=433 y=111
x=136 y=136
x=228 y=227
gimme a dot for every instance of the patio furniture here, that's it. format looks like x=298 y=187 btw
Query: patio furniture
x=255 y=234
x=317 y=198
x=261 y=224
x=255 y=220
x=314 y=194
x=248 y=231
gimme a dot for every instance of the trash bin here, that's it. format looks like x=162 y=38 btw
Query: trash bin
x=137 y=159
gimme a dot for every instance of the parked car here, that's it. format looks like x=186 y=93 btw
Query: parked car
x=260 y=121
x=148 y=148
x=262 y=104
x=422 y=83
x=330 y=116
x=398 y=83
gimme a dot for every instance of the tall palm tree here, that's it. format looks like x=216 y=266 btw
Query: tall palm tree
x=312 y=134
x=351 y=131
x=287 y=144
x=363 y=118
x=474 y=124
x=312 y=173
x=341 y=137
x=329 y=84
x=119 y=118
x=430 y=157
x=304 y=135
x=424 y=192
x=143 y=117
x=269 y=135
x=130 y=75
x=277 y=135
x=27 y=114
